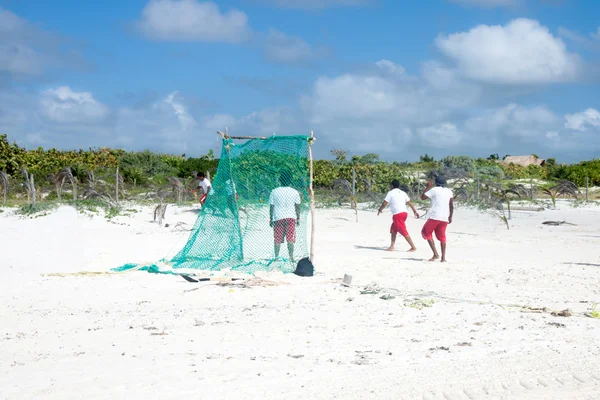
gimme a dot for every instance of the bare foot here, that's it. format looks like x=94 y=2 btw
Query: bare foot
x=434 y=258
x=412 y=250
x=391 y=248
x=443 y=260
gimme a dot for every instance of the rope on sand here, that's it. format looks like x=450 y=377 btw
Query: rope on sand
x=94 y=273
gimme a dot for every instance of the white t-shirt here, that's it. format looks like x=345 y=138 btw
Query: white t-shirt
x=440 y=203
x=284 y=200
x=397 y=200
x=230 y=187
x=204 y=184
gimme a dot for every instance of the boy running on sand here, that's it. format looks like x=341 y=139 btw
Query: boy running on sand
x=398 y=199
x=440 y=215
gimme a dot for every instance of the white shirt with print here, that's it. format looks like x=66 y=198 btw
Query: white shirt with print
x=440 y=203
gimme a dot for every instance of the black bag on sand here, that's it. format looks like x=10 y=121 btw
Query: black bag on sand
x=304 y=268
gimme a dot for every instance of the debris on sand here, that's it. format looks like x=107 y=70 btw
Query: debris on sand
x=418 y=303
x=563 y=313
x=372 y=288
x=557 y=223
x=442 y=348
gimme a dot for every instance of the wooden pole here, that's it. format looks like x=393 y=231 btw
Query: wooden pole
x=531 y=187
x=312 y=199
x=117 y=185
x=587 y=189
x=354 y=181
x=33 y=191
x=226 y=136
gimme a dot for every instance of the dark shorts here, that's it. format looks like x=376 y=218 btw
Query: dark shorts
x=285 y=228
x=399 y=224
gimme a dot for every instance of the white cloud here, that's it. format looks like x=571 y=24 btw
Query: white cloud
x=583 y=120
x=590 y=41
x=24 y=49
x=165 y=124
x=390 y=67
x=488 y=3
x=512 y=122
x=351 y=96
x=186 y=121
x=316 y=4
x=522 y=52
x=63 y=105
x=19 y=59
x=442 y=135
x=282 y=48
x=192 y=20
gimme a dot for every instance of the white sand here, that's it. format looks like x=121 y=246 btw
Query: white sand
x=146 y=336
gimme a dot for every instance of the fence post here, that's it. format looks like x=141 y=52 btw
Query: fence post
x=117 y=185
x=419 y=181
x=531 y=187
x=478 y=188
x=354 y=181
x=33 y=191
x=208 y=175
x=587 y=189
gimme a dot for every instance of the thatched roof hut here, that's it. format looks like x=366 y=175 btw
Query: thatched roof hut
x=524 y=161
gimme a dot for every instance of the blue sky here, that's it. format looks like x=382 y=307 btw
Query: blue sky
x=401 y=79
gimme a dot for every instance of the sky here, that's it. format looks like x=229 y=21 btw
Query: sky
x=396 y=78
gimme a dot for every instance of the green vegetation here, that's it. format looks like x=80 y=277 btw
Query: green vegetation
x=88 y=180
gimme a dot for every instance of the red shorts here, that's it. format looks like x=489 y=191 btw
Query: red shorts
x=285 y=228
x=433 y=225
x=202 y=199
x=399 y=224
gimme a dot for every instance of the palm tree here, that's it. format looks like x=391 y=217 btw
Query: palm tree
x=64 y=175
x=505 y=196
x=562 y=188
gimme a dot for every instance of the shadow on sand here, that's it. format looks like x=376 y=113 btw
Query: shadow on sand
x=371 y=248
x=383 y=249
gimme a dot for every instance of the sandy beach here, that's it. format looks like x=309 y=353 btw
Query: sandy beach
x=473 y=328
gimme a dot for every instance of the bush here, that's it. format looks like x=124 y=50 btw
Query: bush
x=577 y=173
x=493 y=171
x=514 y=171
x=458 y=164
x=201 y=164
x=146 y=162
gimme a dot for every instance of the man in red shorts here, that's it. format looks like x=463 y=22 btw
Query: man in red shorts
x=440 y=215
x=284 y=214
x=398 y=199
x=203 y=183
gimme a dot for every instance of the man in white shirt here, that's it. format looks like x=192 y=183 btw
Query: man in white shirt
x=203 y=183
x=440 y=215
x=284 y=214
x=398 y=199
